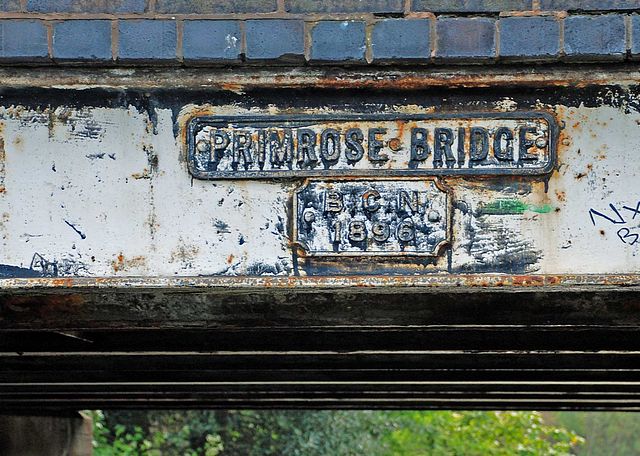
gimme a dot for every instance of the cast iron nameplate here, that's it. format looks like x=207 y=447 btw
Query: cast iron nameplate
x=243 y=147
x=372 y=217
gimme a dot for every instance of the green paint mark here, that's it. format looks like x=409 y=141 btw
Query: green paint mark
x=512 y=207
x=542 y=209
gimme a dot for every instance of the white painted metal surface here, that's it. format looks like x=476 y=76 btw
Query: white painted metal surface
x=106 y=192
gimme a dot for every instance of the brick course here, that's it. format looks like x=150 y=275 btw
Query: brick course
x=530 y=38
x=595 y=37
x=461 y=37
x=635 y=35
x=393 y=39
x=338 y=41
x=147 y=40
x=471 y=6
x=215 y=6
x=275 y=39
x=588 y=5
x=82 y=40
x=176 y=32
x=10 y=5
x=23 y=40
x=345 y=6
x=211 y=40
x=86 y=6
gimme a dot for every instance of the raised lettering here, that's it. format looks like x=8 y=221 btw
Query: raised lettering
x=462 y=134
x=380 y=231
x=375 y=145
x=405 y=200
x=357 y=231
x=370 y=200
x=503 y=153
x=330 y=153
x=306 y=151
x=333 y=201
x=479 y=144
x=220 y=141
x=280 y=149
x=442 y=141
x=262 y=148
x=406 y=231
x=242 y=146
x=353 y=140
x=526 y=144
x=419 y=147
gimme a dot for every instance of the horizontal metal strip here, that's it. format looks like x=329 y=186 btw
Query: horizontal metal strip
x=157 y=383
x=394 y=353
x=377 y=361
x=585 y=377
x=393 y=402
x=267 y=284
x=69 y=311
x=390 y=388
x=339 y=339
x=559 y=75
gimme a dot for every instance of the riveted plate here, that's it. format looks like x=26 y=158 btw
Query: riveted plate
x=242 y=147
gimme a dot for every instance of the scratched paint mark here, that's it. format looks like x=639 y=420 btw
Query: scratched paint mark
x=73 y=227
x=512 y=207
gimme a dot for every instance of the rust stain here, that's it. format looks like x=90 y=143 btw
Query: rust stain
x=63 y=282
x=562 y=196
x=184 y=254
x=45 y=305
x=412 y=82
x=410 y=282
x=122 y=264
x=529 y=280
x=145 y=174
x=395 y=144
x=232 y=87
x=230 y=259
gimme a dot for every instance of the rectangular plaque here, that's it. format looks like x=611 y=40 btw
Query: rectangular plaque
x=243 y=147
x=372 y=217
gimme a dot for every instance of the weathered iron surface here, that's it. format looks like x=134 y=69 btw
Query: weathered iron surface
x=124 y=278
x=96 y=183
x=378 y=217
x=372 y=145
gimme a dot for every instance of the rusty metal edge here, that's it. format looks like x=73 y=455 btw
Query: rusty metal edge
x=435 y=282
x=392 y=78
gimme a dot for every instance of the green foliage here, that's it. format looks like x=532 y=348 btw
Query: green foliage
x=477 y=433
x=335 y=433
x=330 y=433
x=607 y=433
x=189 y=433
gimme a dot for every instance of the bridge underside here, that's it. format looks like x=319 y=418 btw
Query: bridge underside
x=526 y=348
x=121 y=285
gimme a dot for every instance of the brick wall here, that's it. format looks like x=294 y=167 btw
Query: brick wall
x=221 y=32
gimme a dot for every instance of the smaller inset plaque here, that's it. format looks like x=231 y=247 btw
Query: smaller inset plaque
x=372 y=217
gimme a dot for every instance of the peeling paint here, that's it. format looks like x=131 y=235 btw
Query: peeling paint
x=117 y=200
